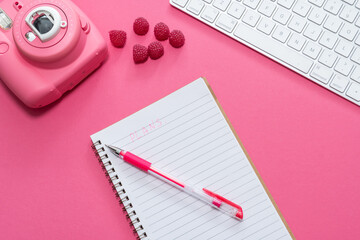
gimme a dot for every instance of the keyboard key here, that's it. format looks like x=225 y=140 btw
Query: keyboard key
x=236 y=10
x=349 y=13
x=328 y=58
x=351 y=2
x=358 y=4
x=343 y=66
x=333 y=6
x=209 y=14
x=318 y=43
x=251 y=3
x=267 y=8
x=332 y=24
x=297 y=24
x=195 y=6
x=301 y=8
x=281 y=34
x=344 y=48
x=181 y=3
x=354 y=91
x=266 y=26
x=251 y=18
x=282 y=15
x=273 y=48
x=357 y=23
x=312 y=50
x=356 y=74
x=286 y=3
x=225 y=22
x=296 y=41
x=321 y=73
x=348 y=31
x=328 y=40
x=339 y=83
x=356 y=56
x=318 y=3
x=317 y=16
x=221 y=4
x=312 y=31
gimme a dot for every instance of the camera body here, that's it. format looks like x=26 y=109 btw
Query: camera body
x=46 y=48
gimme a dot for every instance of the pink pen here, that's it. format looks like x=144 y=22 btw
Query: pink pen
x=204 y=194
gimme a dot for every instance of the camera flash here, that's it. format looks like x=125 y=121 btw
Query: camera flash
x=5 y=21
x=30 y=36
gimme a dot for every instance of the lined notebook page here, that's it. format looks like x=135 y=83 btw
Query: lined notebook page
x=186 y=135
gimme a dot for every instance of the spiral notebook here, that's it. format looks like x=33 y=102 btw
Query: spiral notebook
x=187 y=135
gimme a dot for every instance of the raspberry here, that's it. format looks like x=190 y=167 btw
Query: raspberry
x=140 y=53
x=155 y=50
x=117 y=38
x=161 y=31
x=176 y=39
x=141 y=26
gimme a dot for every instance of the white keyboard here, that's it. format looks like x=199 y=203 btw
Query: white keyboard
x=319 y=39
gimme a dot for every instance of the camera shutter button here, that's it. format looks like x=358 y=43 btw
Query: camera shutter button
x=4 y=47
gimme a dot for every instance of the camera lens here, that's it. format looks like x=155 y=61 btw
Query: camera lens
x=43 y=24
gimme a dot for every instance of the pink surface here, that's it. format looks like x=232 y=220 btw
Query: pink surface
x=303 y=139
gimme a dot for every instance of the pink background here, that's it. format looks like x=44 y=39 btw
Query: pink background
x=303 y=139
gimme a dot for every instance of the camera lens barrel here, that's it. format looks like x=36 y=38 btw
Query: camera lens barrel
x=43 y=24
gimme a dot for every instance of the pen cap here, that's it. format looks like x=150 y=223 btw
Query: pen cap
x=136 y=161
x=225 y=204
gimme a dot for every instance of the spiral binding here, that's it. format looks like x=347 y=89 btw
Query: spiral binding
x=120 y=192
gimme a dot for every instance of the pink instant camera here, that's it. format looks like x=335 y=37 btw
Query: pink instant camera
x=46 y=48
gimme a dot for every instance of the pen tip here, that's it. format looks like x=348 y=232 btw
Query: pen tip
x=114 y=150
